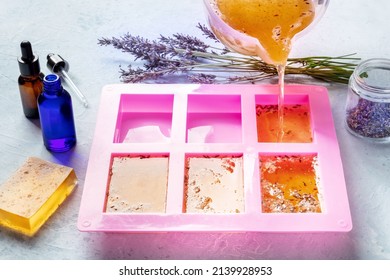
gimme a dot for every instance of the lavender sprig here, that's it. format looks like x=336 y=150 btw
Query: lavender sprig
x=207 y=32
x=183 y=54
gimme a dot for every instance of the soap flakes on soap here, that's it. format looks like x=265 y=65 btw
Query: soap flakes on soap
x=214 y=184
x=289 y=184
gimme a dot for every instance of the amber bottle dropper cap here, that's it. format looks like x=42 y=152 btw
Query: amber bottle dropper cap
x=28 y=62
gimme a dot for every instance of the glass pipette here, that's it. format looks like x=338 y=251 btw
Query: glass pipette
x=60 y=66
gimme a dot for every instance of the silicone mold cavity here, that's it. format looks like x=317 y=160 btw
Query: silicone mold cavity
x=296 y=119
x=144 y=118
x=212 y=118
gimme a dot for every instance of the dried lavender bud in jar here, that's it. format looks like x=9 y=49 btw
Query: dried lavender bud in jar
x=370 y=119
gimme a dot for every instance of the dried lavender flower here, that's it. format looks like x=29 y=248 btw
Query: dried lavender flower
x=207 y=32
x=202 y=78
x=181 y=54
x=370 y=119
x=186 y=42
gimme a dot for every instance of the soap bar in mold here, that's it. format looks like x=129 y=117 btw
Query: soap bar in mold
x=290 y=184
x=138 y=184
x=33 y=193
x=214 y=185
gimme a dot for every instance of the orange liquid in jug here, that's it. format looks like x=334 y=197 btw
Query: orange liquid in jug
x=273 y=22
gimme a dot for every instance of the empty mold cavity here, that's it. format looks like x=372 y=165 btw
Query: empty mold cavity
x=138 y=184
x=296 y=121
x=214 y=119
x=144 y=118
x=289 y=184
x=214 y=184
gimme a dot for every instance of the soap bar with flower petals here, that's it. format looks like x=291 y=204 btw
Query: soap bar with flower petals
x=33 y=193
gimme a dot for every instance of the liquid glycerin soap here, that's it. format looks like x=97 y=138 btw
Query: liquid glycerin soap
x=56 y=115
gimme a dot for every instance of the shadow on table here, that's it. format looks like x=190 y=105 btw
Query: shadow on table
x=225 y=246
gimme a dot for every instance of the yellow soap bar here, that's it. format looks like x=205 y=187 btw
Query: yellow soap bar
x=32 y=194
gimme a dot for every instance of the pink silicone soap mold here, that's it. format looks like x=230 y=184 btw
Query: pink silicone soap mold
x=189 y=158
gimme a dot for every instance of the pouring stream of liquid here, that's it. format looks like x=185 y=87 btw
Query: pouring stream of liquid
x=281 y=69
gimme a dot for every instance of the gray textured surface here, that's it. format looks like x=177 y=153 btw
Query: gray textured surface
x=71 y=29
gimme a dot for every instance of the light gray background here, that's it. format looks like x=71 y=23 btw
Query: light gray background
x=71 y=29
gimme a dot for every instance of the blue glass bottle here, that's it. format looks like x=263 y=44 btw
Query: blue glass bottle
x=56 y=115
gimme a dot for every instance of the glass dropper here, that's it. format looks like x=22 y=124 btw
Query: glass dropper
x=60 y=66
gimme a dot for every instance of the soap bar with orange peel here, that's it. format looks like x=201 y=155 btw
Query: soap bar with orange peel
x=33 y=193
x=214 y=184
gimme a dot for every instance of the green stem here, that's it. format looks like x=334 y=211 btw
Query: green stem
x=333 y=69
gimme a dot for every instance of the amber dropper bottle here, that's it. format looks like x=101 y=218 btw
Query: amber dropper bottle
x=30 y=80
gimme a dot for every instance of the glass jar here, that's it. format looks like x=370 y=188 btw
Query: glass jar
x=368 y=100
